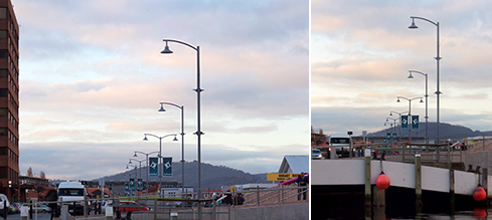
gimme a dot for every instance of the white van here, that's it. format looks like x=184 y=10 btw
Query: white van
x=340 y=143
x=4 y=199
x=72 y=191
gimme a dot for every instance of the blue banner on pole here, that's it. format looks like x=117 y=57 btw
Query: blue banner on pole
x=404 y=122
x=139 y=184
x=415 y=122
x=153 y=166
x=132 y=184
x=167 y=166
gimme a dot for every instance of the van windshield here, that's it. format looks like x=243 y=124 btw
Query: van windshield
x=340 y=140
x=71 y=192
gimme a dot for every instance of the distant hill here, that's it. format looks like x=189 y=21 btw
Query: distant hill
x=213 y=177
x=445 y=130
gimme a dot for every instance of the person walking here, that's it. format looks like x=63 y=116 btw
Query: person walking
x=302 y=181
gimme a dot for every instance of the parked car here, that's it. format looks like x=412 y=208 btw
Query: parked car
x=41 y=208
x=126 y=206
x=316 y=154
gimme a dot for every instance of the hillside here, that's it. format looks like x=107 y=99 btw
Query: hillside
x=446 y=131
x=213 y=177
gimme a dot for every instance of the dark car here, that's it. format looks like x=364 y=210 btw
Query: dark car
x=126 y=206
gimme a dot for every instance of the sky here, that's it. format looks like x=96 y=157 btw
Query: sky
x=92 y=77
x=361 y=57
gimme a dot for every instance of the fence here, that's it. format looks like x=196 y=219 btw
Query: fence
x=170 y=208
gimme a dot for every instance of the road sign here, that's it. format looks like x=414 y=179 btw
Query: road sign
x=404 y=122
x=281 y=176
x=415 y=122
x=167 y=166
x=153 y=166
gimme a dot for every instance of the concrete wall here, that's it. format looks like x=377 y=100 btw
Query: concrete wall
x=296 y=211
x=351 y=172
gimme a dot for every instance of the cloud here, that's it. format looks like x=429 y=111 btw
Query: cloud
x=92 y=77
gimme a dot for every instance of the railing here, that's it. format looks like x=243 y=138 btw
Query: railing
x=164 y=208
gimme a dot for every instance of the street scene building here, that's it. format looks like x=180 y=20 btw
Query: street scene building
x=9 y=101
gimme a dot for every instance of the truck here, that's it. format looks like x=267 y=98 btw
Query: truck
x=73 y=193
x=340 y=145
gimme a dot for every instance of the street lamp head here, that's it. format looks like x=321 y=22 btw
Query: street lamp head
x=391 y=113
x=175 y=139
x=135 y=155
x=410 y=76
x=162 y=108
x=421 y=100
x=145 y=138
x=166 y=49
x=398 y=100
x=413 y=26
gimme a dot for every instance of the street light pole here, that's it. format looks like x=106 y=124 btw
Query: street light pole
x=399 y=116
x=198 y=90
x=410 y=76
x=391 y=130
x=182 y=139
x=140 y=169
x=160 y=152
x=409 y=113
x=438 y=58
x=147 y=161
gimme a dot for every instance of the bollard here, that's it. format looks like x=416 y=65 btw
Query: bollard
x=109 y=212
x=173 y=216
x=30 y=210
x=24 y=212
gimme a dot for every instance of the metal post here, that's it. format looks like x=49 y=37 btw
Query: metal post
x=418 y=181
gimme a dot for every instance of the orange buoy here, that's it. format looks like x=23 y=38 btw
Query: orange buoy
x=383 y=181
x=479 y=194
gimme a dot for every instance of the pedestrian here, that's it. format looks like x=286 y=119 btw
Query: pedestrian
x=239 y=200
x=302 y=182
x=52 y=197
x=228 y=199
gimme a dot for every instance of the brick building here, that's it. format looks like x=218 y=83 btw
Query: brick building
x=9 y=101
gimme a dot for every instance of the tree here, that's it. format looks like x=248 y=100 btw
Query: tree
x=29 y=172
x=42 y=175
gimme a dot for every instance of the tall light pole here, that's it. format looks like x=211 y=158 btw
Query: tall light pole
x=160 y=151
x=140 y=169
x=182 y=139
x=135 y=168
x=198 y=90
x=409 y=113
x=391 y=125
x=438 y=58
x=147 y=162
x=399 y=116
x=410 y=76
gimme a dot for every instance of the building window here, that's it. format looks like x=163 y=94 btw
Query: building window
x=4 y=53
x=3 y=172
x=3 y=151
x=3 y=131
x=4 y=92
x=3 y=112
x=4 y=73
x=3 y=34
x=3 y=13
